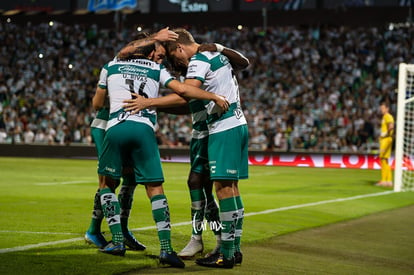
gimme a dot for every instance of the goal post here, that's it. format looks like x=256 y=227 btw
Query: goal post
x=404 y=137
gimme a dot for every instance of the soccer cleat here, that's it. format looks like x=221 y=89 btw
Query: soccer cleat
x=384 y=184
x=216 y=261
x=171 y=259
x=114 y=249
x=132 y=243
x=192 y=248
x=215 y=251
x=238 y=258
x=96 y=239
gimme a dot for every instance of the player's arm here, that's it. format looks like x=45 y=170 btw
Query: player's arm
x=390 y=127
x=98 y=100
x=190 y=89
x=237 y=60
x=161 y=36
x=170 y=101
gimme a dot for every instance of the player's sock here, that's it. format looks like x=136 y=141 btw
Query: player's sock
x=387 y=172
x=161 y=215
x=239 y=223
x=126 y=197
x=198 y=202
x=212 y=215
x=228 y=217
x=97 y=215
x=384 y=164
x=111 y=210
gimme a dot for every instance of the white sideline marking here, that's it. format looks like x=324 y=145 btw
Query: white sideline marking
x=31 y=232
x=62 y=182
x=26 y=247
x=316 y=203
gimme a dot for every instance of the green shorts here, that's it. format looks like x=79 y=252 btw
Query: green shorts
x=98 y=135
x=228 y=154
x=98 y=127
x=199 y=155
x=131 y=144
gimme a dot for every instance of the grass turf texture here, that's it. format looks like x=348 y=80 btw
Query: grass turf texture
x=48 y=200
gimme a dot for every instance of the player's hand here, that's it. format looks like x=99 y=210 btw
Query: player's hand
x=207 y=47
x=222 y=102
x=136 y=104
x=165 y=35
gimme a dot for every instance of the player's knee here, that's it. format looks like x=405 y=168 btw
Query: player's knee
x=193 y=181
x=108 y=182
x=154 y=189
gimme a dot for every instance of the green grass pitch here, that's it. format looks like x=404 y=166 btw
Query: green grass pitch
x=46 y=207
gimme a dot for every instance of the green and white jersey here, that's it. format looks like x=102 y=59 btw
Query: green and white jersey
x=215 y=72
x=141 y=76
x=101 y=119
x=199 y=118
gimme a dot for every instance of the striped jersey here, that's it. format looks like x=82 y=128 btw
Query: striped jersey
x=141 y=76
x=215 y=72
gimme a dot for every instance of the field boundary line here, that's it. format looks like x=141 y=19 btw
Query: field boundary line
x=27 y=247
x=317 y=203
x=62 y=182
x=34 y=232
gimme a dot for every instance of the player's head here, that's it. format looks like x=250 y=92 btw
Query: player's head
x=183 y=48
x=158 y=55
x=384 y=107
x=155 y=52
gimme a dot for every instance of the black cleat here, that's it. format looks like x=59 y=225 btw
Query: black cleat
x=217 y=261
x=171 y=259
x=238 y=258
x=132 y=243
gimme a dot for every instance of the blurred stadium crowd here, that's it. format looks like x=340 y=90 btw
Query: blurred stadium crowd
x=307 y=88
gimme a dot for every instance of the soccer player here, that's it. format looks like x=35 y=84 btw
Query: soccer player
x=203 y=204
x=227 y=143
x=385 y=140
x=93 y=235
x=130 y=142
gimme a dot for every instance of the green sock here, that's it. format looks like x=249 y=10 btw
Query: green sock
x=125 y=197
x=161 y=215
x=97 y=215
x=228 y=217
x=111 y=210
x=197 y=210
x=239 y=223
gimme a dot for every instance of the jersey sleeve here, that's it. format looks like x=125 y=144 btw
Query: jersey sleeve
x=389 y=119
x=103 y=77
x=165 y=76
x=198 y=67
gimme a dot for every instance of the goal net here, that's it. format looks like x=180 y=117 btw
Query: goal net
x=404 y=138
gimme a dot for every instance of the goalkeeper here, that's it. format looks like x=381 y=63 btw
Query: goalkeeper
x=385 y=141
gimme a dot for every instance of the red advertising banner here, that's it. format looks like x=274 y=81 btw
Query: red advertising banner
x=313 y=160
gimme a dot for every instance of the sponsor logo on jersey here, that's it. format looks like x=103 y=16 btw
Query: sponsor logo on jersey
x=192 y=69
x=132 y=70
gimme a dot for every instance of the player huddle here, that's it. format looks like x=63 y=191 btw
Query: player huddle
x=126 y=98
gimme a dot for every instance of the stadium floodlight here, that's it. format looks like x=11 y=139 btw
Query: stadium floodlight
x=404 y=142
